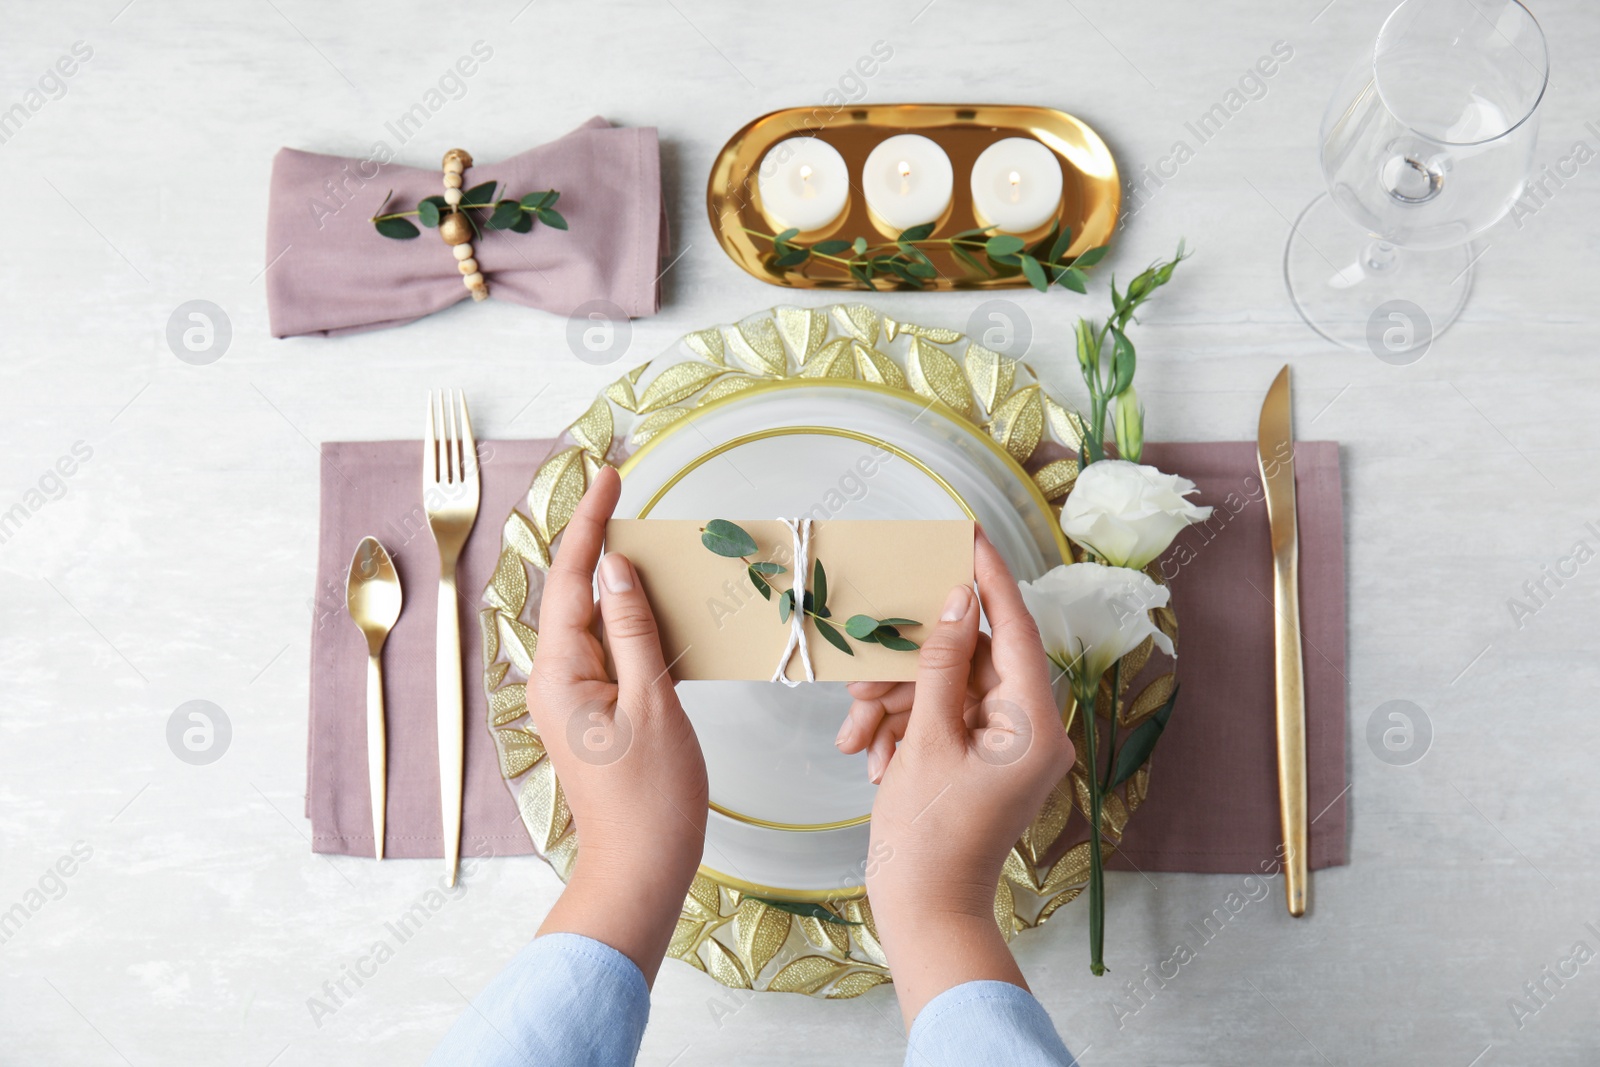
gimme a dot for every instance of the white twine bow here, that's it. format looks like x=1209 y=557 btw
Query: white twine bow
x=801 y=530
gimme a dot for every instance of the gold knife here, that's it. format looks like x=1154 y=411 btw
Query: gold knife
x=1275 y=451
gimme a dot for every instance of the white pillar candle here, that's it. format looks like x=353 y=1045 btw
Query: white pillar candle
x=804 y=184
x=907 y=181
x=1016 y=185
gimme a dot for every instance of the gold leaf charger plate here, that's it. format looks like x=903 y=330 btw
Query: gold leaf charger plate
x=832 y=412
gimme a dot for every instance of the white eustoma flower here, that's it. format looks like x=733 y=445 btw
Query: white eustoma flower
x=1127 y=514
x=1091 y=615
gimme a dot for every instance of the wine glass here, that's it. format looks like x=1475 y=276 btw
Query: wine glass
x=1427 y=143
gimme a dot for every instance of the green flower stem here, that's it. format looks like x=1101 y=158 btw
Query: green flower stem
x=1111 y=742
x=1099 y=401
x=1097 y=887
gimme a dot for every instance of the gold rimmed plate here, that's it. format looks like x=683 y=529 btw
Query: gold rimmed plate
x=1091 y=195
x=769 y=749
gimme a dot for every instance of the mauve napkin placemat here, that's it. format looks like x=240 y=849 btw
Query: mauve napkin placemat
x=1212 y=805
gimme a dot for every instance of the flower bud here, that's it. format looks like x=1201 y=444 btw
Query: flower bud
x=1128 y=421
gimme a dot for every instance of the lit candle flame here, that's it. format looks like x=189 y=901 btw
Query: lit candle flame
x=1016 y=187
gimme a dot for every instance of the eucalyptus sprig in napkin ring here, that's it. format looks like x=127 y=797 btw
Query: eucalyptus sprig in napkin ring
x=452 y=215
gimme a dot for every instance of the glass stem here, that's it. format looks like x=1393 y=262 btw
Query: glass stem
x=1379 y=257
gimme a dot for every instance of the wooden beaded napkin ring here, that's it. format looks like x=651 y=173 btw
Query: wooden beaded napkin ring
x=451 y=215
x=455 y=229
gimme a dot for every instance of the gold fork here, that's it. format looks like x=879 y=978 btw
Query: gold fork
x=450 y=499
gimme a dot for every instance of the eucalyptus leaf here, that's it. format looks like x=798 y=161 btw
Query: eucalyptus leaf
x=506 y=214
x=428 y=211
x=819 y=584
x=792 y=257
x=786 y=236
x=810 y=911
x=1063 y=242
x=765 y=567
x=859 y=246
x=834 y=637
x=1091 y=256
x=1073 y=279
x=970 y=260
x=859 y=626
x=534 y=201
x=727 y=539
x=479 y=195
x=1041 y=248
x=913 y=254
x=898 y=622
x=899 y=644
x=1005 y=244
x=903 y=272
x=552 y=218
x=922 y=270
x=399 y=229
x=861 y=273
x=830 y=248
x=760 y=583
x=1034 y=272
x=917 y=233
x=1141 y=742
x=523 y=224
x=786 y=605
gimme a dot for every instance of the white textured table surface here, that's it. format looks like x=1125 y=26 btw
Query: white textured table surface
x=176 y=562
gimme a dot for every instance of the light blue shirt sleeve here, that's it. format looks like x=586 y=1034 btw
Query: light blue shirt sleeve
x=565 y=1001
x=979 y=1024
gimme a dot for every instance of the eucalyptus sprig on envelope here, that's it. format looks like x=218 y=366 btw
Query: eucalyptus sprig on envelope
x=717 y=621
x=730 y=539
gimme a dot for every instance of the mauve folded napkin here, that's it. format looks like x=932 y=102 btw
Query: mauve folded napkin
x=1213 y=802
x=331 y=272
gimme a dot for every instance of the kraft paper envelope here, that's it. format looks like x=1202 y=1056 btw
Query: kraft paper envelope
x=715 y=625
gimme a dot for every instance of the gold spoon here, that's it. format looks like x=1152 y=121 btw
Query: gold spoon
x=373 y=597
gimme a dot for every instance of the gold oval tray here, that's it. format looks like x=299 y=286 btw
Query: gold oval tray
x=1091 y=193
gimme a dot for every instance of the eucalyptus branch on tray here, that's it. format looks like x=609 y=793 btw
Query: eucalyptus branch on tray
x=984 y=253
x=733 y=541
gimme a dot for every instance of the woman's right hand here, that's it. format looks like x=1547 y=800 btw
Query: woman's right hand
x=980 y=747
